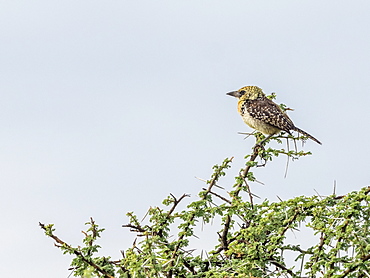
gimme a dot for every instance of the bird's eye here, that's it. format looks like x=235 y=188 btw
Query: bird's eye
x=242 y=92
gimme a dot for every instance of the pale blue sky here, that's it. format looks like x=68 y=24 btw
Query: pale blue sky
x=109 y=106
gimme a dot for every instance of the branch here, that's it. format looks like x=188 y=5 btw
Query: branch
x=76 y=252
x=212 y=183
x=219 y=196
x=175 y=203
x=243 y=175
x=353 y=267
x=279 y=265
x=134 y=228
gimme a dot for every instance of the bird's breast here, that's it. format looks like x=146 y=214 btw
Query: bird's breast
x=259 y=125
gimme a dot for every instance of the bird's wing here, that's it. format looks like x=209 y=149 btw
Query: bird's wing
x=269 y=112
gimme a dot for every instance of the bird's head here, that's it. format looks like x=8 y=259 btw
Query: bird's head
x=247 y=92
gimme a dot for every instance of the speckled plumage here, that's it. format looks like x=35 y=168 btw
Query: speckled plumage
x=263 y=114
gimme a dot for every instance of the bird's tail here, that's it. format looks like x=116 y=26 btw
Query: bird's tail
x=306 y=134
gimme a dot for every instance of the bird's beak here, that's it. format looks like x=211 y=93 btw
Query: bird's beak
x=234 y=94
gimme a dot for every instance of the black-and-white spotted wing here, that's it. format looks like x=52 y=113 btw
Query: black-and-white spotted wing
x=269 y=112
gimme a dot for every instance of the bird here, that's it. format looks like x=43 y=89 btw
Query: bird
x=264 y=115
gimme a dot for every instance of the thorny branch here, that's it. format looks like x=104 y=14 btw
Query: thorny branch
x=175 y=203
x=219 y=196
x=137 y=228
x=140 y=229
x=243 y=175
x=191 y=218
x=61 y=243
x=354 y=267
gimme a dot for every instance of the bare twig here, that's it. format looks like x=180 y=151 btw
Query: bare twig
x=134 y=228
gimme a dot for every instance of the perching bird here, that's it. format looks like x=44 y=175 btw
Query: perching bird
x=264 y=115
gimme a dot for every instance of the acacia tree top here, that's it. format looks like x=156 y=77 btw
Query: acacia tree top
x=252 y=237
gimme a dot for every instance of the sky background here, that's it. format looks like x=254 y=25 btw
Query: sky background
x=108 y=106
